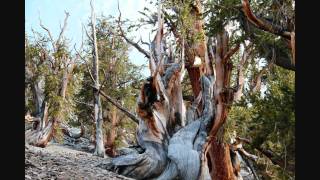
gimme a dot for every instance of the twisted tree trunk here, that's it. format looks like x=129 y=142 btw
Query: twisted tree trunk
x=172 y=142
x=177 y=143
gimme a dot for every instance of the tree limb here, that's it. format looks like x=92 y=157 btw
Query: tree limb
x=125 y=111
x=277 y=160
x=231 y=52
x=49 y=33
x=262 y=23
x=63 y=29
x=80 y=102
x=86 y=64
x=140 y=49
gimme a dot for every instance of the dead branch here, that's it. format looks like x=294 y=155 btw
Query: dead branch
x=87 y=33
x=86 y=64
x=63 y=29
x=49 y=33
x=256 y=83
x=140 y=49
x=275 y=159
x=124 y=110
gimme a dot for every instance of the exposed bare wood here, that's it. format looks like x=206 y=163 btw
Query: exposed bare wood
x=49 y=34
x=63 y=29
x=240 y=72
x=222 y=91
x=275 y=159
x=40 y=138
x=99 y=148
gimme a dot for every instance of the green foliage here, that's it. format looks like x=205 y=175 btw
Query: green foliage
x=119 y=77
x=46 y=67
x=269 y=120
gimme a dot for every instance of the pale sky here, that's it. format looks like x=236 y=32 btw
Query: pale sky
x=52 y=16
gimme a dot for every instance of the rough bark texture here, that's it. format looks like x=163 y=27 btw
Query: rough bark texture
x=175 y=143
x=171 y=147
x=240 y=73
x=223 y=95
x=112 y=134
x=222 y=168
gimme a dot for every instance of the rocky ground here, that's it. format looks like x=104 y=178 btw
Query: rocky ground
x=64 y=162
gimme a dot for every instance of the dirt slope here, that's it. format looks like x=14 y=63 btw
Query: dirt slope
x=61 y=162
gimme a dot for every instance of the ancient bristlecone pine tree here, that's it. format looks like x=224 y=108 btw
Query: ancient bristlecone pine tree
x=180 y=143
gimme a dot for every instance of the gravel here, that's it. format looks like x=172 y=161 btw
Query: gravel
x=61 y=162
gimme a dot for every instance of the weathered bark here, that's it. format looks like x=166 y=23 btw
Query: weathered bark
x=99 y=151
x=174 y=146
x=121 y=108
x=277 y=160
x=195 y=49
x=222 y=168
x=165 y=156
x=40 y=138
x=112 y=134
x=38 y=96
x=42 y=130
x=218 y=152
x=65 y=80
